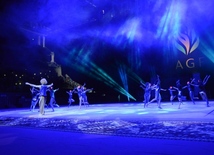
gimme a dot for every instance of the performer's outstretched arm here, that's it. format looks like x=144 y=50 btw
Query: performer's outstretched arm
x=206 y=79
x=142 y=83
x=33 y=85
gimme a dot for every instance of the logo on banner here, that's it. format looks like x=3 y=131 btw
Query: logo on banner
x=187 y=44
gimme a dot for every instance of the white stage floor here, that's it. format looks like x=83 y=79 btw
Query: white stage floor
x=133 y=111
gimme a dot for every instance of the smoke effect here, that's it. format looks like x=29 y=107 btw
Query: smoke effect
x=101 y=27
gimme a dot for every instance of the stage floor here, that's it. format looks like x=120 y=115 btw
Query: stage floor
x=125 y=111
x=116 y=128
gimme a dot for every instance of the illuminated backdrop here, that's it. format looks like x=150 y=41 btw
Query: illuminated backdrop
x=110 y=44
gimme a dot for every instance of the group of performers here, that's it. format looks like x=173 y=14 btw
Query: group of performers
x=81 y=91
x=190 y=86
x=35 y=98
x=42 y=94
x=39 y=95
x=147 y=95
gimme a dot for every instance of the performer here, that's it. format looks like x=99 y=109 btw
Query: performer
x=147 y=92
x=35 y=98
x=189 y=86
x=79 y=91
x=52 y=102
x=172 y=96
x=179 y=89
x=201 y=85
x=43 y=93
x=157 y=95
x=157 y=89
x=84 y=96
x=70 y=98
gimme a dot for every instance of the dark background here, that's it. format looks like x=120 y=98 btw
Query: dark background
x=111 y=46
